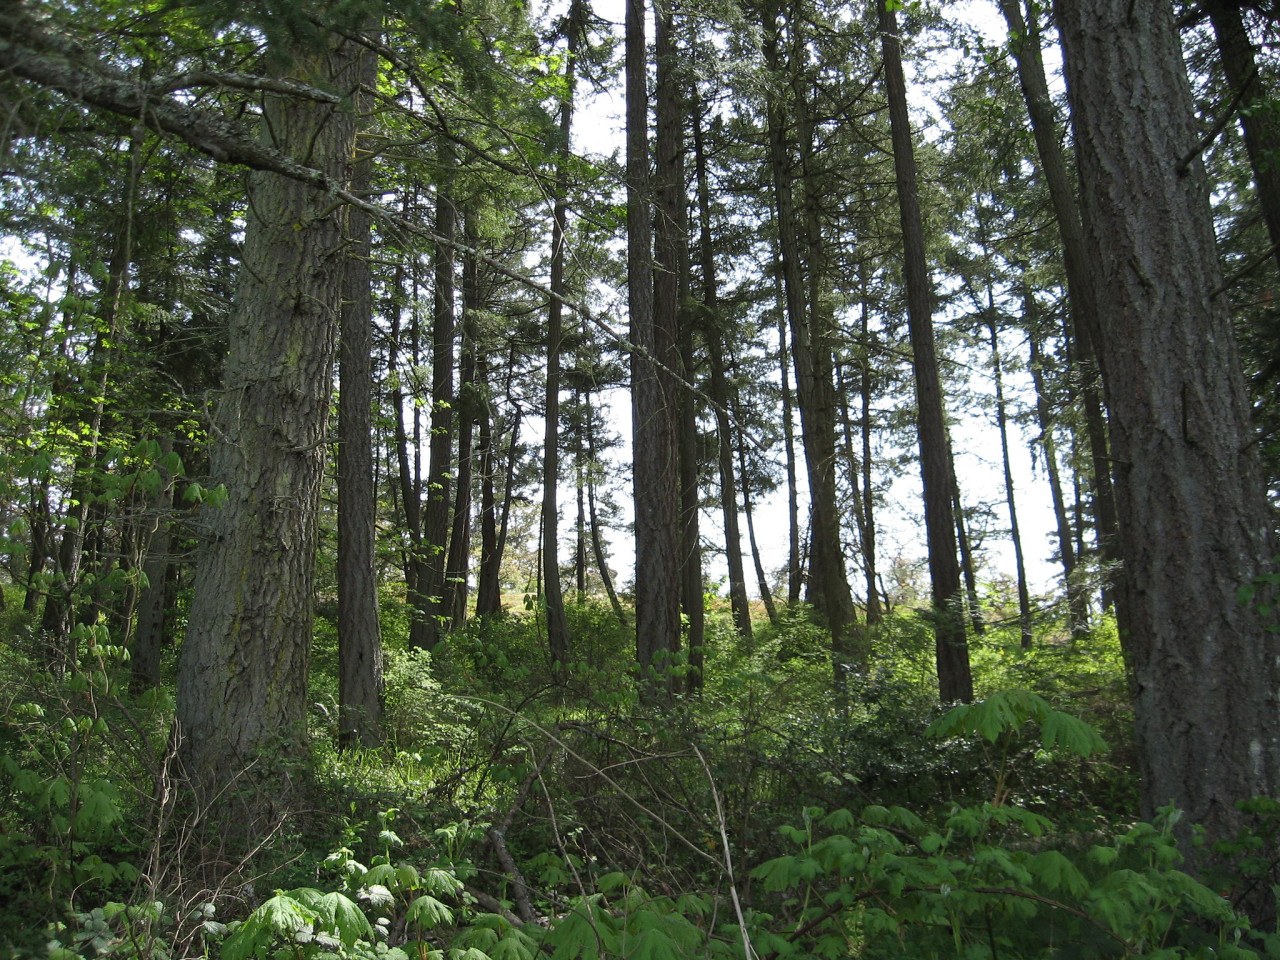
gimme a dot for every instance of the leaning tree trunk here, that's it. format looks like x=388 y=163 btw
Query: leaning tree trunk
x=242 y=677
x=955 y=682
x=1194 y=522
x=1083 y=319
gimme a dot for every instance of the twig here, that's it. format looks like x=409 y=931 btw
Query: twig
x=747 y=949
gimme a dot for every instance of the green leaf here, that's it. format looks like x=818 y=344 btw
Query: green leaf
x=427 y=912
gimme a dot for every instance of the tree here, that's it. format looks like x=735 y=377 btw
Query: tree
x=359 y=636
x=1192 y=514
x=657 y=498
x=243 y=672
x=954 y=679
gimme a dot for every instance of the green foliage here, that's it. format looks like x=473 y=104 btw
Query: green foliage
x=989 y=881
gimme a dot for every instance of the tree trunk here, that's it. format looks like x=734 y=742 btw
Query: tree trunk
x=148 y=636
x=1077 y=602
x=439 y=487
x=762 y=579
x=457 y=571
x=242 y=678
x=955 y=681
x=656 y=469
x=359 y=631
x=1084 y=319
x=671 y=291
x=597 y=542
x=1194 y=521
x=557 y=626
x=1257 y=113
x=828 y=588
x=714 y=334
x=1002 y=422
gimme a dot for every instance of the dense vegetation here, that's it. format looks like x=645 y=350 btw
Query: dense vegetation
x=509 y=814
x=315 y=319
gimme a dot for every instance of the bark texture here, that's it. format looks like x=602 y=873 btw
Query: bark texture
x=1189 y=493
x=359 y=632
x=655 y=477
x=243 y=671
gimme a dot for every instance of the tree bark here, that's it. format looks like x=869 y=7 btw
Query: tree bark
x=359 y=631
x=656 y=467
x=243 y=671
x=1194 y=522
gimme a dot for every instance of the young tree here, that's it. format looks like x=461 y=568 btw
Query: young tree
x=1193 y=518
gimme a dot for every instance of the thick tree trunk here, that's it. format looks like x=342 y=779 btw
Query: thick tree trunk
x=671 y=291
x=1193 y=516
x=243 y=672
x=955 y=681
x=656 y=467
x=359 y=631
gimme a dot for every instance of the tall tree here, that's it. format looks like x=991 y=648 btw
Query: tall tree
x=1084 y=318
x=1193 y=517
x=575 y=26
x=653 y=417
x=359 y=633
x=243 y=671
x=955 y=682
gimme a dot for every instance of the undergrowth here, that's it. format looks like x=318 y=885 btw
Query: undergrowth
x=507 y=815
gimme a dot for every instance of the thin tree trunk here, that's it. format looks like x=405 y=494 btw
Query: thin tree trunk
x=713 y=332
x=1257 y=113
x=458 y=564
x=955 y=681
x=359 y=631
x=1002 y=422
x=1077 y=602
x=762 y=579
x=597 y=543
x=1084 y=320
x=874 y=613
x=439 y=486
x=148 y=636
x=557 y=626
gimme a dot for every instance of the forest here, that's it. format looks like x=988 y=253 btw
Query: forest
x=485 y=480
